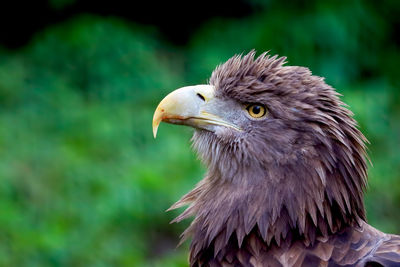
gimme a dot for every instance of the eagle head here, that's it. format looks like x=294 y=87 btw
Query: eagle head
x=284 y=156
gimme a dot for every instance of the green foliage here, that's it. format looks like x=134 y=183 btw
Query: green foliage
x=83 y=183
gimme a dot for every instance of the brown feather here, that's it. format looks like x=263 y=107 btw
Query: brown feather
x=288 y=192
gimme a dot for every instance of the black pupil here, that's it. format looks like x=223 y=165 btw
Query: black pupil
x=256 y=109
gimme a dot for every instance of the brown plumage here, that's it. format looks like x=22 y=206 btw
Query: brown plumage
x=285 y=189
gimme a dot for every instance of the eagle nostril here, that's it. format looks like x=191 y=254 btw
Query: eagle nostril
x=201 y=96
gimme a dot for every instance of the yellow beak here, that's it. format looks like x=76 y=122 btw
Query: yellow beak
x=193 y=106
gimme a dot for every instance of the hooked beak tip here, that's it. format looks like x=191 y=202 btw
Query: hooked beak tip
x=155 y=128
x=157 y=118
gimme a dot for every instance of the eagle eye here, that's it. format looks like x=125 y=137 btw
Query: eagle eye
x=256 y=110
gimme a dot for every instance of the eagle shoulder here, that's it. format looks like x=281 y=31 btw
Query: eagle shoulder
x=353 y=246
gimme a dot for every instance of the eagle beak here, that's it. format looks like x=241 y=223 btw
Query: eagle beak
x=190 y=106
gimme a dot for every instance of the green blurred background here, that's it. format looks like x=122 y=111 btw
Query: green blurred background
x=83 y=182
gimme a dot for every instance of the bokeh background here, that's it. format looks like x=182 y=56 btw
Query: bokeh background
x=83 y=182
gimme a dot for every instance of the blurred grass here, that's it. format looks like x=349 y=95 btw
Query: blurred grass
x=83 y=181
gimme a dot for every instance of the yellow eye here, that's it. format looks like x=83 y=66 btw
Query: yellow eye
x=256 y=110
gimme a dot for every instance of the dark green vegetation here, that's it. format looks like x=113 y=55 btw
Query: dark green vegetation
x=83 y=182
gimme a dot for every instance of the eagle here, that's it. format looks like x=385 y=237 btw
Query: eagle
x=286 y=170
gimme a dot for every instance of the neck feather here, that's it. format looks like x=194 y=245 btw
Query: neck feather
x=307 y=197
